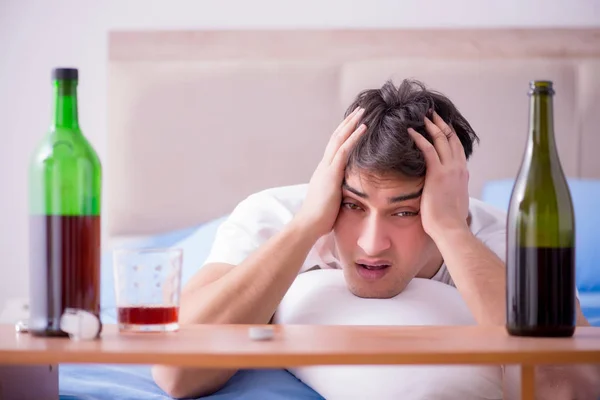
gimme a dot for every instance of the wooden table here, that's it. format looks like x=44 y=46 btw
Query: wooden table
x=226 y=346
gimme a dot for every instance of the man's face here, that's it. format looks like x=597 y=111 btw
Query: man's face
x=379 y=237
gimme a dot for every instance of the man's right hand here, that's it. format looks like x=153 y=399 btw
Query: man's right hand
x=322 y=203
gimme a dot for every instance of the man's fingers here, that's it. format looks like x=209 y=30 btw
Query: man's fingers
x=341 y=136
x=345 y=121
x=341 y=157
x=431 y=156
x=349 y=126
x=440 y=123
x=440 y=138
x=457 y=149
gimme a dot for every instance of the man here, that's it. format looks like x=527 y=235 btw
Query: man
x=387 y=203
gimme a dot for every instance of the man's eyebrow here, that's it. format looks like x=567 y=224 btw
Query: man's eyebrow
x=405 y=197
x=355 y=191
x=391 y=200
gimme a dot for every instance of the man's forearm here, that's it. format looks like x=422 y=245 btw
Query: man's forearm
x=478 y=273
x=251 y=291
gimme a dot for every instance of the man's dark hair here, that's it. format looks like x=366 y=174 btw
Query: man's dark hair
x=386 y=146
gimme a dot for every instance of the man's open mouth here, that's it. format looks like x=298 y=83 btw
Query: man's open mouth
x=372 y=271
x=374 y=267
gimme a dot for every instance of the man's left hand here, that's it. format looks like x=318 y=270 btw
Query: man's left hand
x=445 y=199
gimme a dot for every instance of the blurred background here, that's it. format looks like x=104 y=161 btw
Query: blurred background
x=36 y=36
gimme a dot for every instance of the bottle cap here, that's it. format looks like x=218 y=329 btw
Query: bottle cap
x=541 y=86
x=63 y=74
x=80 y=324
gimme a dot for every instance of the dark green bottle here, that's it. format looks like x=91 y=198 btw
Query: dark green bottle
x=540 y=259
x=65 y=187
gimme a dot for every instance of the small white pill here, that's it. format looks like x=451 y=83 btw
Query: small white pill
x=261 y=333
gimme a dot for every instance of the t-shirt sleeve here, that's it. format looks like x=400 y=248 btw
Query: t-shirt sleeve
x=252 y=222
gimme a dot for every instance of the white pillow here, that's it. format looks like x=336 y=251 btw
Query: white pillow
x=321 y=297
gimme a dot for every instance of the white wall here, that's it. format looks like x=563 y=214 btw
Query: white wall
x=36 y=35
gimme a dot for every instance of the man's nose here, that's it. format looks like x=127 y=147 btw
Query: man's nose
x=373 y=238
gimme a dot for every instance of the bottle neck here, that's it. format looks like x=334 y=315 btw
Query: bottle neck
x=65 y=104
x=541 y=127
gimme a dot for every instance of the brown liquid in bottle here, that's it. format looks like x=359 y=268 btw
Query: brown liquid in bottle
x=64 y=258
x=541 y=292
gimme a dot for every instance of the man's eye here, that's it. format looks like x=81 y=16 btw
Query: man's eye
x=351 y=206
x=406 y=214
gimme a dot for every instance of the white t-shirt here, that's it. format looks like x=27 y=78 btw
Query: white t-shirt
x=265 y=213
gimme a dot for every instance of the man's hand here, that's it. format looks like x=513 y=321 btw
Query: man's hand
x=445 y=199
x=322 y=203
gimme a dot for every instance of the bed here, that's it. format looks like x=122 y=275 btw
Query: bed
x=198 y=120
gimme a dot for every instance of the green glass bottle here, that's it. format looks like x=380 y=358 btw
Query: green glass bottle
x=65 y=187
x=540 y=259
